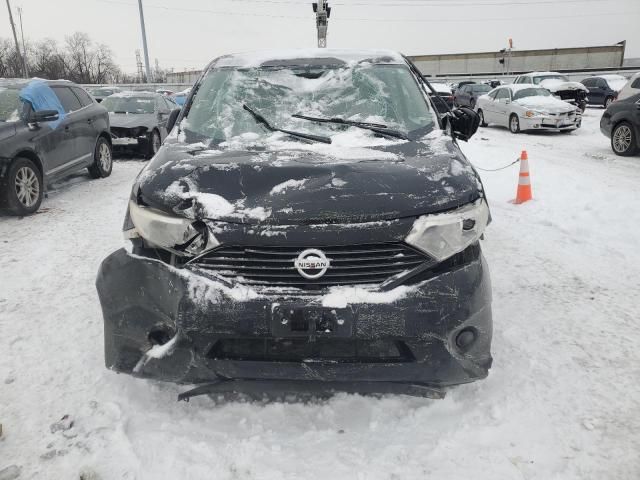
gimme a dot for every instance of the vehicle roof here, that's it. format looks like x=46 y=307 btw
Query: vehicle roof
x=607 y=77
x=317 y=56
x=134 y=93
x=23 y=82
x=516 y=87
x=539 y=74
x=441 y=87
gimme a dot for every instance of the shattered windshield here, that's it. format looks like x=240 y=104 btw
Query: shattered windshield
x=531 y=92
x=10 y=105
x=381 y=94
x=117 y=104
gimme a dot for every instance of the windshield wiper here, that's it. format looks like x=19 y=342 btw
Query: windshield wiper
x=263 y=121
x=374 y=127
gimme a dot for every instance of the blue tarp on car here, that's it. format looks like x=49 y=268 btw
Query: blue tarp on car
x=42 y=97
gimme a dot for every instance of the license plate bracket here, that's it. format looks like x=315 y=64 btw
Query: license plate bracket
x=311 y=321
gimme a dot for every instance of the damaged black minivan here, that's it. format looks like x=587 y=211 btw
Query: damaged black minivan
x=309 y=225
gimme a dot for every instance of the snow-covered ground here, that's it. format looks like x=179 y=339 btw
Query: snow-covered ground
x=562 y=400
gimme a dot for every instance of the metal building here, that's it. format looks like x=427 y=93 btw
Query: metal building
x=522 y=61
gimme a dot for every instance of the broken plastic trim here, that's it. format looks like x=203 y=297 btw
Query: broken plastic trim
x=259 y=389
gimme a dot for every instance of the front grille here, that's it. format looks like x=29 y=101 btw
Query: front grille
x=303 y=350
x=274 y=265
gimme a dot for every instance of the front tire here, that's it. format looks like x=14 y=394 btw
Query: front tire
x=481 y=115
x=22 y=190
x=623 y=140
x=154 y=144
x=514 y=123
x=102 y=160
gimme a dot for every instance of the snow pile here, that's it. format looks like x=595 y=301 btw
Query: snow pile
x=341 y=297
x=289 y=184
x=210 y=205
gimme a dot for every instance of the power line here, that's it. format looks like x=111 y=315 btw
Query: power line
x=385 y=20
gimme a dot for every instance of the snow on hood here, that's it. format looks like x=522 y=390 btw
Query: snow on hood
x=306 y=183
x=551 y=104
x=557 y=85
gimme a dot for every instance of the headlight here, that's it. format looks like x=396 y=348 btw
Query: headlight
x=534 y=113
x=443 y=235
x=175 y=233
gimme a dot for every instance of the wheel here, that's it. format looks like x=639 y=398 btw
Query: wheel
x=623 y=140
x=22 y=190
x=481 y=115
x=154 y=144
x=102 y=160
x=608 y=101
x=514 y=123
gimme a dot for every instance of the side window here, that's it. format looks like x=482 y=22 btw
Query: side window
x=518 y=80
x=588 y=82
x=601 y=83
x=69 y=101
x=493 y=94
x=636 y=83
x=503 y=93
x=171 y=105
x=83 y=96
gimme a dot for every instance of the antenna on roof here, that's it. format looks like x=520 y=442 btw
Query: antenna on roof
x=323 y=12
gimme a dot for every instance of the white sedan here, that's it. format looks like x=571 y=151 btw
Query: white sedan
x=527 y=107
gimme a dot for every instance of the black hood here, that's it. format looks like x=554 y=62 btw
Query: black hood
x=309 y=187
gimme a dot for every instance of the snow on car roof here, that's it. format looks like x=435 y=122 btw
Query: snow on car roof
x=315 y=55
x=133 y=93
x=536 y=74
x=516 y=87
x=441 y=87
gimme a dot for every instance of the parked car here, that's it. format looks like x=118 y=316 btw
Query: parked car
x=462 y=84
x=632 y=87
x=621 y=123
x=181 y=97
x=444 y=102
x=604 y=89
x=48 y=129
x=559 y=85
x=467 y=95
x=527 y=107
x=139 y=120
x=285 y=238
x=101 y=93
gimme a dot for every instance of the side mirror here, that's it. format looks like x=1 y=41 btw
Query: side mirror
x=173 y=116
x=44 y=116
x=463 y=123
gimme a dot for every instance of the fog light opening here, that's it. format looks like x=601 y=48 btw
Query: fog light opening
x=466 y=338
x=159 y=336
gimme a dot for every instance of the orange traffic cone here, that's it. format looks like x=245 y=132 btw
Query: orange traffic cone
x=524 y=180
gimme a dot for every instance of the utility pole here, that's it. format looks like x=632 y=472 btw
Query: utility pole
x=144 y=42
x=323 y=12
x=24 y=48
x=15 y=39
x=139 y=67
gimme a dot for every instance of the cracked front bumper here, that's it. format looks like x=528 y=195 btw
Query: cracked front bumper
x=231 y=334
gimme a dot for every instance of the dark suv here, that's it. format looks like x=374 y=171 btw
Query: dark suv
x=467 y=95
x=308 y=224
x=604 y=90
x=48 y=129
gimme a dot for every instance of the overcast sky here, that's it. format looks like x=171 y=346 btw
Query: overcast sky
x=188 y=33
